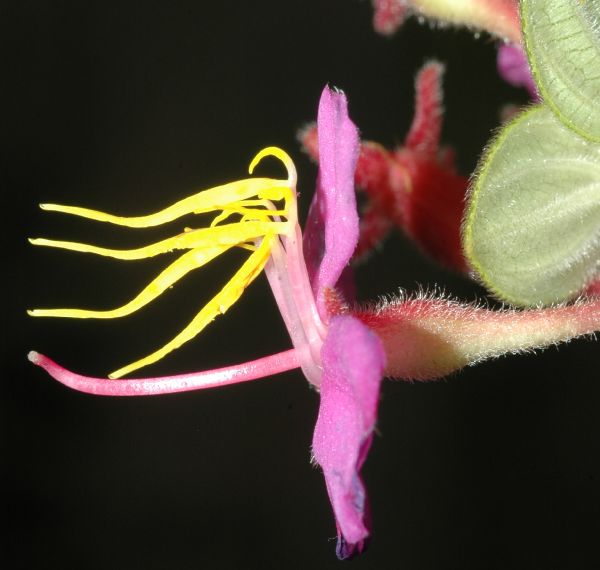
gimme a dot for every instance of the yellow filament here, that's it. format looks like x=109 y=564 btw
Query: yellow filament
x=258 y=227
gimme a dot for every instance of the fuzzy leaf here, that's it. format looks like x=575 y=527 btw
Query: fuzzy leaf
x=562 y=38
x=532 y=228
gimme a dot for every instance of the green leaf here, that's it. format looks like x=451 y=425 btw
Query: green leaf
x=532 y=228
x=562 y=38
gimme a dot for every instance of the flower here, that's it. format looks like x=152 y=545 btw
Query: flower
x=339 y=355
x=344 y=351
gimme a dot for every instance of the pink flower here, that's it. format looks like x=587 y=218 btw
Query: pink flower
x=343 y=351
x=339 y=355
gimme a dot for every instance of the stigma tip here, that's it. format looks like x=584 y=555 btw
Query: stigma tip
x=33 y=356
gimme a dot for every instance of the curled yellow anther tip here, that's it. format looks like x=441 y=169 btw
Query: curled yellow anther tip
x=54 y=207
x=39 y=241
x=45 y=312
x=283 y=156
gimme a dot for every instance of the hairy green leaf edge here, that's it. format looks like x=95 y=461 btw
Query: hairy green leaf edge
x=562 y=39
x=532 y=226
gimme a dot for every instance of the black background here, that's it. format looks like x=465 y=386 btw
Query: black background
x=127 y=107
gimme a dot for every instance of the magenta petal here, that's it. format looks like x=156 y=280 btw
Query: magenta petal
x=353 y=364
x=331 y=231
x=513 y=67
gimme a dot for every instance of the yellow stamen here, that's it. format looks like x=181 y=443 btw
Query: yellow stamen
x=248 y=213
x=258 y=227
x=231 y=234
x=247 y=246
x=187 y=262
x=216 y=306
x=206 y=201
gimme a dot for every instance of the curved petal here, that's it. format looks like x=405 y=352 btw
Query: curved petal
x=353 y=364
x=331 y=231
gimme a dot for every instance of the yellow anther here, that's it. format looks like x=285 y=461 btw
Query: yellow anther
x=206 y=201
x=284 y=157
x=167 y=278
x=216 y=306
x=230 y=235
x=259 y=225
